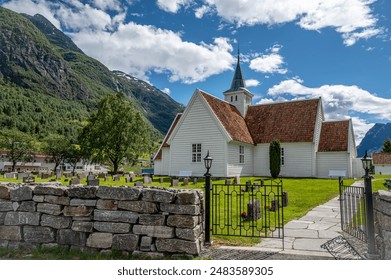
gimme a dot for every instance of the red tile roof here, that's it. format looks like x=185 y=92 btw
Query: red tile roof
x=381 y=158
x=230 y=118
x=292 y=121
x=164 y=144
x=334 y=136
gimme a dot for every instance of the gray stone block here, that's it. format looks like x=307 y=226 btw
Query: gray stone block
x=38 y=198
x=61 y=200
x=21 y=193
x=115 y=216
x=28 y=206
x=77 y=211
x=70 y=237
x=13 y=233
x=49 y=190
x=146 y=243
x=181 y=209
x=82 y=192
x=22 y=218
x=2 y=218
x=5 y=206
x=182 y=221
x=100 y=240
x=93 y=182
x=52 y=209
x=83 y=226
x=188 y=197
x=191 y=234
x=178 y=246
x=85 y=202
x=57 y=222
x=38 y=234
x=112 y=227
x=127 y=242
x=119 y=193
x=158 y=195
x=154 y=231
x=152 y=220
x=4 y=192
x=107 y=204
x=138 y=206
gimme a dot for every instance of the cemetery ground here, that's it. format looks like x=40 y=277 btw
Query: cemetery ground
x=303 y=195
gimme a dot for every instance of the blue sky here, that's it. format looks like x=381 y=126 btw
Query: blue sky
x=337 y=49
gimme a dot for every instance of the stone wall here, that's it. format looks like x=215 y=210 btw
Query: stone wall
x=134 y=219
x=382 y=213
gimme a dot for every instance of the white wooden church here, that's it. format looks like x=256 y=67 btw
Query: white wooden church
x=237 y=135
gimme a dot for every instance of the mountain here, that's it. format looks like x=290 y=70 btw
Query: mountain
x=374 y=139
x=48 y=85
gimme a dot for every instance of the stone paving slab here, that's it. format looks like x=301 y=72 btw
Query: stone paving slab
x=309 y=244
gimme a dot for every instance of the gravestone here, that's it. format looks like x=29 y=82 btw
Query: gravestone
x=91 y=177
x=93 y=182
x=284 y=199
x=147 y=179
x=102 y=175
x=174 y=182
x=45 y=176
x=58 y=175
x=275 y=205
x=227 y=182
x=185 y=181
x=75 y=181
x=21 y=176
x=195 y=180
x=138 y=184
x=237 y=180
x=11 y=175
x=161 y=180
x=254 y=210
x=67 y=174
x=116 y=177
x=29 y=179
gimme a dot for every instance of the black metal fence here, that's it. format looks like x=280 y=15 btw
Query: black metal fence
x=253 y=210
x=353 y=210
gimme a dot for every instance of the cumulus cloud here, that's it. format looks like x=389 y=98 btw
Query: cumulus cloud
x=352 y=18
x=166 y=91
x=130 y=47
x=269 y=63
x=339 y=101
x=252 y=83
x=172 y=6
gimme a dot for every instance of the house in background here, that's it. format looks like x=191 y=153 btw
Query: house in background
x=382 y=163
x=238 y=134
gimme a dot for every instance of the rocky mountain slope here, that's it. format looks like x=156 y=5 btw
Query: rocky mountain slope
x=374 y=138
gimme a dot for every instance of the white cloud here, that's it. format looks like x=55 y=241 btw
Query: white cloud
x=269 y=63
x=201 y=11
x=252 y=83
x=166 y=91
x=352 y=18
x=172 y=6
x=339 y=102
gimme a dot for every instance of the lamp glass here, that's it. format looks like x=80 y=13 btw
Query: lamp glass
x=208 y=161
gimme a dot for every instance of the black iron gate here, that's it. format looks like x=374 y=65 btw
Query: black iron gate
x=252 y=210
x=353 y=210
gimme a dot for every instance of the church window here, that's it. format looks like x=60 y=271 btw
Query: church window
x=241 y=154
x=196 y=153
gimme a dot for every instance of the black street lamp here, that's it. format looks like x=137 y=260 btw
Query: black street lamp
x=208 y=164
x=366 y=164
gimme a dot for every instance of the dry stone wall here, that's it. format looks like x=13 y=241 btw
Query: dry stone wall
x=134 y=219
x=382 y=212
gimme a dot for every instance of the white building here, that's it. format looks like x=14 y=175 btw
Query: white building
x=382 y=163
x=238 y=134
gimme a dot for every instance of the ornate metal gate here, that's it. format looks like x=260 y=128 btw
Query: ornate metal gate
x=252 y=210
x=353 y=210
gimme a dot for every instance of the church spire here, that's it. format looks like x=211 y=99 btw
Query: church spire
x=238 y=80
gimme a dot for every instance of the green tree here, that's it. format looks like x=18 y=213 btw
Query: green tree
x=73 y=155
x=56 y=146
x=19 y=145
x=115 y=131
x=275 y=158
x=386 y=146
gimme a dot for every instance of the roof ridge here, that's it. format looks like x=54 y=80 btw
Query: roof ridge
x=287 y=101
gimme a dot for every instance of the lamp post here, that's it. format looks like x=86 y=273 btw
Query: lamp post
x=366 y=163
x=208 y=164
